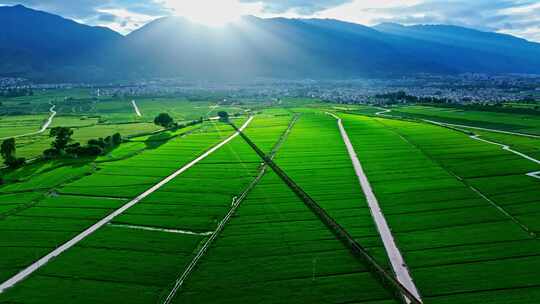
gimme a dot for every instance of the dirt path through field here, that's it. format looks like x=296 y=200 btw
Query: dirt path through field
x=507 y=148
x=44 y=127
x=59 y=250
x=396 y=259
x=535 y=174
x=384 y=112
x=136 y=108
x=147 y=228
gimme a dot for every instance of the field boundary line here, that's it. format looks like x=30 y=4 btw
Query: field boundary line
x=455 y=127
x=59 y=250
x=534 y=174
x=507 y=148
x=483 y=129
x=235 y=204
x=394 y=254
x=147 y=228
x=386 y=279
x=385 y=112
x=464 y=181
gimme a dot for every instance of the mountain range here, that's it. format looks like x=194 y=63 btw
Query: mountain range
x=47 y=47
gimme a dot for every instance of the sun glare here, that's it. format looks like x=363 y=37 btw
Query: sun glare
x=210 y=12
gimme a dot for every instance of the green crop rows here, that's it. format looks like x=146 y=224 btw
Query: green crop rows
x=319 y=163
x=503 y=121
x=276 y=250
x=463 y=212
x=457 y=244
x=74 y=197
x=195 y=201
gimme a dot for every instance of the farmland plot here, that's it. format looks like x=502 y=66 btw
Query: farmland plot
x=458 y=246
x=497 y=174
x=130 y=177
x=527 y=145
x=83 y=130
x=22 y=124
x=297 y=258
x=501 y=121
x=146 y=248
x=316 y=158
x=276 y=250
x=88 y=193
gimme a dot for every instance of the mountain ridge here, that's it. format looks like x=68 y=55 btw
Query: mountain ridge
x=53 y=48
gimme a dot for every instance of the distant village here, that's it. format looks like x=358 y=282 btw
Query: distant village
x=461 y=89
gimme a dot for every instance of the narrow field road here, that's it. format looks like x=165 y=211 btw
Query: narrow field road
x=396 y=259
x=147 y=228
x=507 y=148
x=482 y=129
x=136 y=108
x=44 y=127
x=384 y=112
x=535 y=174
x=56 y=252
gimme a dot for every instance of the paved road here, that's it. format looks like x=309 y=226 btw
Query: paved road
x=396 y=259
x=136 y=108
x=44 y=260
x=44 y=127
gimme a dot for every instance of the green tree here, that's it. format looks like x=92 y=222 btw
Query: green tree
x=223 y=116
x=8 y=150
x=116 y=139
x=164 y=120
x=62 y=137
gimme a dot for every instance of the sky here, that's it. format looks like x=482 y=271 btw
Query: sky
x=517 y=17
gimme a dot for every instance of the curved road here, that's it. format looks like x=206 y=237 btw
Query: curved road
x=59 y=250
x=44 y=127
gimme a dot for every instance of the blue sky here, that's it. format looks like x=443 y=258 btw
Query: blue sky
x=517 y=17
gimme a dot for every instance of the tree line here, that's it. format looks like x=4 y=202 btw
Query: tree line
x=402 y=97
x=62 y=145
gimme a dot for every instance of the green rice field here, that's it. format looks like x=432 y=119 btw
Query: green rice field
x=520 y=123
x=195 y=215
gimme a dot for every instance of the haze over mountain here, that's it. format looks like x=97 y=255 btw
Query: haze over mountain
x=46 y=47
x=41 y=45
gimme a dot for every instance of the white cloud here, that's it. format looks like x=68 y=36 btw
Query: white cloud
x=517 y=17
x=211 y=12
x=365 y=12
x=124 y=22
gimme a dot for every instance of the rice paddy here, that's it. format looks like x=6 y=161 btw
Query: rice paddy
x=463 y=212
